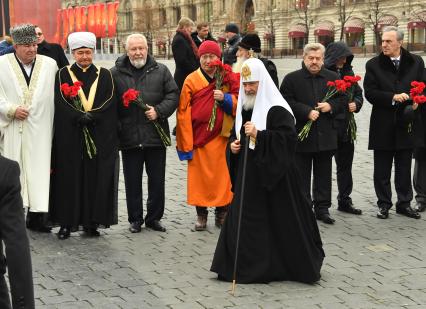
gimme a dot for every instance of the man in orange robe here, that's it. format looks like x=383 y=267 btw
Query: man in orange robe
x=209 y=184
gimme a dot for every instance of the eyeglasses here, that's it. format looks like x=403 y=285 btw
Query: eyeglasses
x=39 y=33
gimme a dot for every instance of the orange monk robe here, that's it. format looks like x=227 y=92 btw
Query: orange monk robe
x=209 y=183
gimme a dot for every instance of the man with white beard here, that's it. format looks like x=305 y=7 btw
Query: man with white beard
x=250 y=47
x=139 y=141
x=279 y=237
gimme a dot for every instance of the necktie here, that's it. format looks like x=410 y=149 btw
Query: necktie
x=396 y=63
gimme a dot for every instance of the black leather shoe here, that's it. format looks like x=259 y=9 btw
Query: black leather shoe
x=383 y=213
x=421 y=207
x=91 y=231
x=135 y=227
x=409 y=212
x=64 y=232
x=156 y=226
x=325 y=218
x=349 y=208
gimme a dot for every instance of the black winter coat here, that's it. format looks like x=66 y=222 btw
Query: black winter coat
x=185 y=59
x=157 y=88
x=389 y=128
x=303 y=91
x=53 y=51
x=333 y=52
x=230 y=53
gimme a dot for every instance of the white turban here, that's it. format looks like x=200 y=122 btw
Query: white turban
x=81 y=40
x=253 y=70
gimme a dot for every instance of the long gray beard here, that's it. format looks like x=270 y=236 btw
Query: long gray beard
x=249 y=101
x=138 y=63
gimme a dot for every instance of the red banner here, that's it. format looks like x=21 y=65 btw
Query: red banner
x=83 y=18
x=71 y=19
x=112 y=18
x=98 y=19
x=65 y=27
x=79 y=13
x=91 y=22
x=57 y=36
x=103 y=21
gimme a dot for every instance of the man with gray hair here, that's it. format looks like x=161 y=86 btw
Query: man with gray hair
x=394 y=122
x=26 y=119
x=139 y=141
x=304 y=91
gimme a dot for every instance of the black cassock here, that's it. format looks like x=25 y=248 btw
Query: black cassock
x=84 y=190
x=279 y=237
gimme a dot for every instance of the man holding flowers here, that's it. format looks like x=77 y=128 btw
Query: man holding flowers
x=387 y=85
x=315 y=101
x=338 y=58
x=148 y=97
x=204 y=121
x=84 y=155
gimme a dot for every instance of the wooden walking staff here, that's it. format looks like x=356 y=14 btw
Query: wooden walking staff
x=240 y=213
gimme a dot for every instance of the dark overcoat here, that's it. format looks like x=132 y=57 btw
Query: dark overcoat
x=389 y=127
x=303 y=91
x=185 y=59
x=53 y=51
x=14 y=236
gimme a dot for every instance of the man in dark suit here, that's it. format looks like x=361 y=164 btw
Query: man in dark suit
x=304 y=90
x=14 y=236
x=51 y=50
x=387 y=87
x=202 y=34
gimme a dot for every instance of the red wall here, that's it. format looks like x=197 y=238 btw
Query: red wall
x=39 y=12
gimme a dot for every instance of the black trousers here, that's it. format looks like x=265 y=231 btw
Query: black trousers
x=154 y=159
x=383 y=160
x=419 y=181
x=321 y=189
x=344 y=157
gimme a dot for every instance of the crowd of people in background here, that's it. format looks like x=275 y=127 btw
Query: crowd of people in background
x=249 y=142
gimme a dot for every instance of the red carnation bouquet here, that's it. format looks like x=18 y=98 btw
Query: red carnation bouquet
x=416 y=94
x=353 y=80
x=132 y=96
x=221 y=71
x=334 y=87
x=71 y=92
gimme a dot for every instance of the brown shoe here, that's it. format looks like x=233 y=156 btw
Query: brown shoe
x=201 y=223
x=220 y=218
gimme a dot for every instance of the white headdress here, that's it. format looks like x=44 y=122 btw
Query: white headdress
x=253 y=70
x=82 y=40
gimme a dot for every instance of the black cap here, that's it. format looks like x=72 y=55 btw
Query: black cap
x=232 y=28
x=251 y=41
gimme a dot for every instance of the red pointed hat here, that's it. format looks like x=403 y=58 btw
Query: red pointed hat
x=209 y=47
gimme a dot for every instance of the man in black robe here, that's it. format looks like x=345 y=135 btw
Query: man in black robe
x=279 y=235
x=85 y=151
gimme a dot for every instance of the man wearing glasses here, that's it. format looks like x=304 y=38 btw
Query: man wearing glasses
x=51 y=50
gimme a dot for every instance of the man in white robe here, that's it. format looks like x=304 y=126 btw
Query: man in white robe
x=26 y=119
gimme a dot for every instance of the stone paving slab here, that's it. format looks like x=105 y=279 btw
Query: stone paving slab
x=370 y=263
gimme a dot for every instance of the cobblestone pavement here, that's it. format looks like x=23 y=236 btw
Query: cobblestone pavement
x=370 y=263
